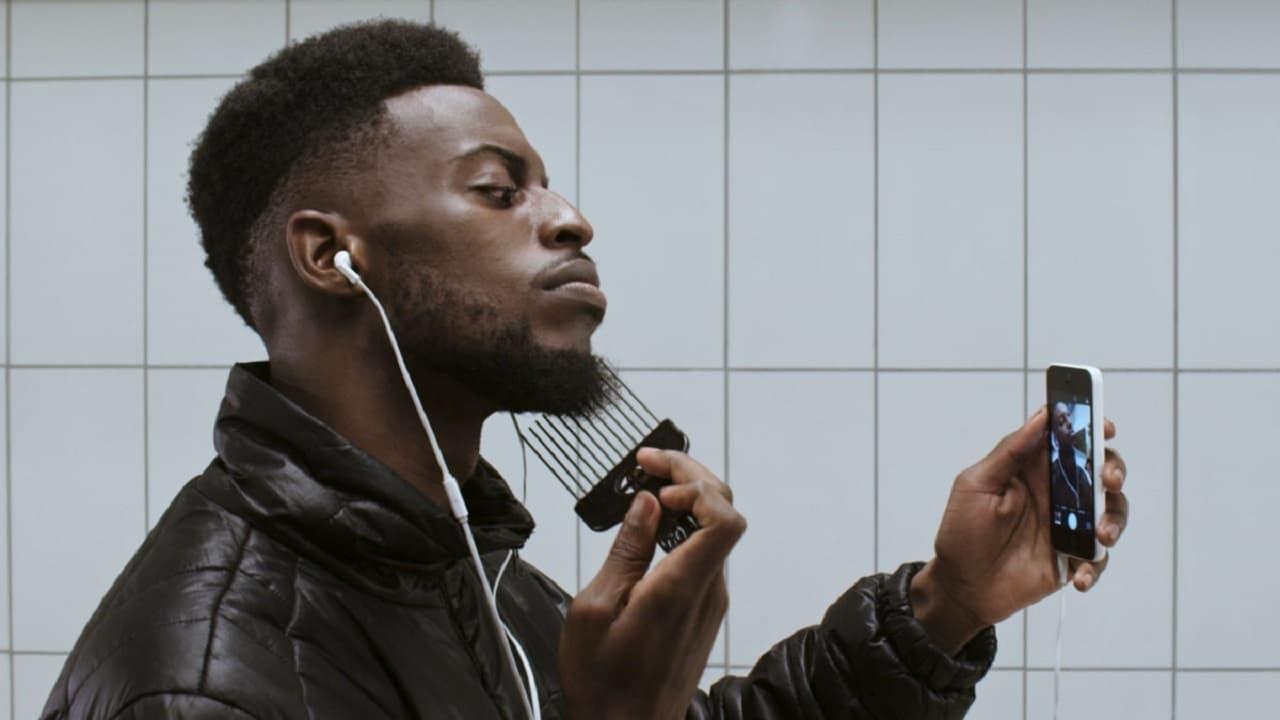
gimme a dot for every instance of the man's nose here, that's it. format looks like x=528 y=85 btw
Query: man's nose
x=561 y=223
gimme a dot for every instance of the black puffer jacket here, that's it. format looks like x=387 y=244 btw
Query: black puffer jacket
x=299 y=578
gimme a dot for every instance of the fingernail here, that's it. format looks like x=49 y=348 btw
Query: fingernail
x=1114 y=531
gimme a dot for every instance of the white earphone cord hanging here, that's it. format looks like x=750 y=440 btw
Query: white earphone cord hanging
x=342 y=261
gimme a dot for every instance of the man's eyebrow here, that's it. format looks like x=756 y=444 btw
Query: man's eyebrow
x=514 y=160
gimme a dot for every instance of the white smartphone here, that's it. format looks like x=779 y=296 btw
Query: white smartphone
x=1077 y=452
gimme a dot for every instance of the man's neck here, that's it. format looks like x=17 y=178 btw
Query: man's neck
x=362 y=397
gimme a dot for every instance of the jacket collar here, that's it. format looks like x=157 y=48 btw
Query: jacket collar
x=293 y=477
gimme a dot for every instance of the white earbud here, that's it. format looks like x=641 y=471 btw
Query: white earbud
x=342 y=261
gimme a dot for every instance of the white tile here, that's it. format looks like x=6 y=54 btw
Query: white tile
x=1228 y=33
x=76 y=222
x=188 y=320
x=1099 y=33
x=4 y=44
x=800 y=462
x=515 y=34
x=1229 y=164
x=652 y=35
x=4 y=194
x=1101 y=695
x=1226 y=529
x=694 y=401
x=213 y=36
x=951 y=221
x=4 y=530
x=1214 y=695
x=76 y=434
x=553 y=547
x=1100 y=220
x=309 y=17
x=999 y=697
x=652 y=182
x=4 y=682
x=950 y=33
x=33 y=679
x=545 y=108
x=802 y=34
x=972 y=412
x=968 y=413
x=181 y=408
x=1125 y=620
x=77 y=37
x=801 y=272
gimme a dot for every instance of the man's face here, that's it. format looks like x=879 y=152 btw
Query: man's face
x=1062 y=424
x=490 y=282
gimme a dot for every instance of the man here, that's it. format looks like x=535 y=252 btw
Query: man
x=313 y=569
x=1070 y=482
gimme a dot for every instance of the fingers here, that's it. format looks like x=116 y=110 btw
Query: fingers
x=690 y=477
x=1114 y=472
x=678 y=467
x=1084 y=575
x=1114 y=520
x=1108 y=429
x=698 y=491
x=630 y=554
x=1012 y=451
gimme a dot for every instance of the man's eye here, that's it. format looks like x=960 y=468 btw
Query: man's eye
x=504 y=195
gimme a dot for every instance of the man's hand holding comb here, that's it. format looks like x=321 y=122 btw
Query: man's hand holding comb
x=636 y=640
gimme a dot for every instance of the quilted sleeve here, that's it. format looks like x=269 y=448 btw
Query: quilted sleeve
x=869 y=658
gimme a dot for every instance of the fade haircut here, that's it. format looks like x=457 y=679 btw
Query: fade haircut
x=305 y=117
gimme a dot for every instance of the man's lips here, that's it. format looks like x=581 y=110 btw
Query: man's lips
x=577 y=279
x=579 y=270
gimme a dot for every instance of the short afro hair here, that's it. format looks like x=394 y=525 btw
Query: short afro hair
x=309 y=106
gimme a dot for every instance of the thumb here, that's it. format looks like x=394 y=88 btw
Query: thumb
x=1011 y=452
x=632 y=551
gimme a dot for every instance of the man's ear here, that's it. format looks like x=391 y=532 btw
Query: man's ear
x=313 y=238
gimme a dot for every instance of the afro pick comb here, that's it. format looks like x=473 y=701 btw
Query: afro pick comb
x=602 y=444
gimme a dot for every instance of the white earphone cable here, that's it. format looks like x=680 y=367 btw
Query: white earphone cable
x=524 y=659
x=342 y=261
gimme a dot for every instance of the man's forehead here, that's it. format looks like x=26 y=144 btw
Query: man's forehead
x=452 y=115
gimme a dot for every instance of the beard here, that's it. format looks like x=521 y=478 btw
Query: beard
x=444 y=327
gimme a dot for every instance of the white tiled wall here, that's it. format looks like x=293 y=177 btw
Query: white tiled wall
x=840 y=267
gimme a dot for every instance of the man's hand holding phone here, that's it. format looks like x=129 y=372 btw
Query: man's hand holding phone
x=636 y=640
x=993 y=551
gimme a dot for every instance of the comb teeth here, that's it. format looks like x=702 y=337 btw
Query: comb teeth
x=592 y=443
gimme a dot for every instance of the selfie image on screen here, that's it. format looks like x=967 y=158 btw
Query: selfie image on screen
x=1070 y=462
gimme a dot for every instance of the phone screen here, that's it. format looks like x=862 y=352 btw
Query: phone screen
x=1071 y=471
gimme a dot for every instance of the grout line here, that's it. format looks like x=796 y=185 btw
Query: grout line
x=736 y=71
x=724 y=330
x=146 y=284
x=8 y=330
x=1173 y=642
x=1026 y=341
x=875 y=287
